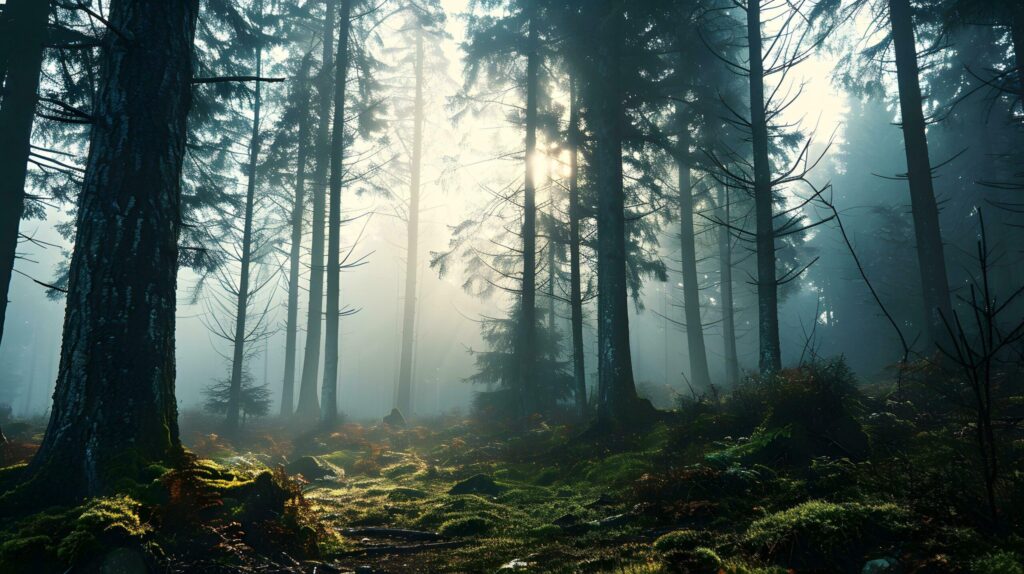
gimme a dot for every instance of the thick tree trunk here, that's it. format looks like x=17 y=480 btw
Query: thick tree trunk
x=114 y=410
x=329 y=390
x=732 y=363
x=688 y=258
x=308 y=408
x=770 y=351
x=575 y=281
x=295 y=254
x=242 y=309
x=404 y=395
x=925 y=211
x=21 y=57
x=617 y=396
x=526 y=348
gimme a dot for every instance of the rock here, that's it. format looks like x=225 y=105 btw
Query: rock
x=395 y=419
x=477 y=484
x=312 y=468
x=881 y=566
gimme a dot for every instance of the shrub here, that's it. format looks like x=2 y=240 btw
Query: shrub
x=998 y=563
x=824 y=535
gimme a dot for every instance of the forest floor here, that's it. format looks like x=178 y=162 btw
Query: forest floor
x=872 y=491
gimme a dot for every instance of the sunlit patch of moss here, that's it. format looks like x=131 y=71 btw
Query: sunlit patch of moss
x=819 y=534
x=618 y=469
x=466 y=526
x=999 y=563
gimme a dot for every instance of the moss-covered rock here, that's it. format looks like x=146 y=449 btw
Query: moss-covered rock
x=824 y=535
x=684 y=539
x=467 y=526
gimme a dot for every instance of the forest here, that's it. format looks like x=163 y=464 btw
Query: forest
x=567 y=286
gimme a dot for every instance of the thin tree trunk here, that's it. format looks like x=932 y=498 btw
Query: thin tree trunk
x=617 y=396
x=575 y=287
x=404 y=399
x=688 y=258
x=114 y=410
x=308 y=408
x=295 y=255
x=241 y=311
x=329 y=390
x=770 y=351
x=925 y=211
x=732 y=369
x=22 y=49
x=526 y=349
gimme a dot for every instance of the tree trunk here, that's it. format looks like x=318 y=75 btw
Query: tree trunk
x=688 y=258
x=526 y=349
x=329 y=390
x=114 y=410
x=770 y=351
x=241 y=311
x=22 y=48
x=308 y=408
x=732 y=368
x=925 y=211
x=295 y=254
x=616 y=389
x=404 y=399
x=575 y=287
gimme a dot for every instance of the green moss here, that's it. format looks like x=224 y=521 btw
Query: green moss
x=999 y=563
x=678 y=540
x=618 y=469
x=819 y=534
x=466 y=526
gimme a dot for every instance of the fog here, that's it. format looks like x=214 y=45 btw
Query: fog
x=479 y=151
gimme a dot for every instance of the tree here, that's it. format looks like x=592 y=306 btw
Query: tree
x=116 y=376
x=302 y=101
x=616 y=389
x=245 y=261
x=329 y=391
x=308 y=406
x=21 y=56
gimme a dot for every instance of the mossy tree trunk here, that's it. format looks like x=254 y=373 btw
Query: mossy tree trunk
x=114 y=408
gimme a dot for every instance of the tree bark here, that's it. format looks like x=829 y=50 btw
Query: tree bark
x=770 y=351
x=575 y=287
x=617 y=396
x=242 y=309
x=732 y=369
x=404 y=398
x=21 y=46
x=925 y=211
x=329 y=390
x=526 y=349
x=114 y=410
x=308 y=408
x=688 y=258
x=295 y=253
